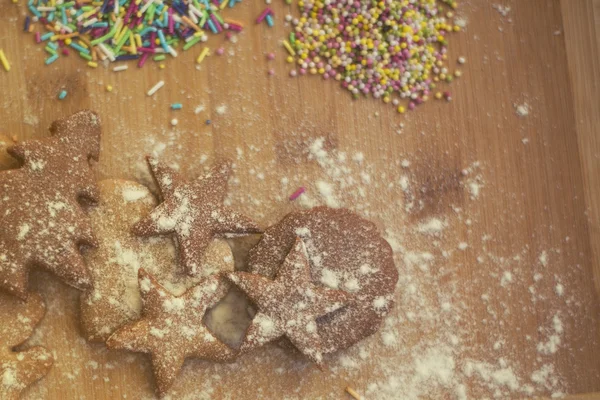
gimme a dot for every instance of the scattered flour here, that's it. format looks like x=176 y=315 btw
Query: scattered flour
x=522 y=109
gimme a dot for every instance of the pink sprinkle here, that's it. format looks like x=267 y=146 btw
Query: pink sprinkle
x=263 y=15
x=220 y=51
x=297 y=193
x=65 y=52
x=143 y=59
x=38 y=37
x=293 y=73
x=171 y=22
x=235 y=27
x=271 y=56
x=271 y=72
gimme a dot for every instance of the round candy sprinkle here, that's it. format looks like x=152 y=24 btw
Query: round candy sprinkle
x=387 y=49
x=121 y=30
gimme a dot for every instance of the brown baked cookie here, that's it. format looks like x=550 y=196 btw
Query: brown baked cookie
x=289 y=305
x=172 y=329
x=193 y=212
x=346 y=252
x=114 y=299
x=19 y=369
x=43 y=224
x=6 y=161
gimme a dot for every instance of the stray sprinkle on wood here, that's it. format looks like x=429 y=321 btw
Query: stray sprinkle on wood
x=353 y=393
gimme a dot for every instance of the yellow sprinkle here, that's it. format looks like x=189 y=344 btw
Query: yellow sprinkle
x=289 y=48
x=289 y=59
x=202 y=55
x=138 y=40
x=132 y=43
x=353 y=393
x=4 y=61
x=109 y=88
x=161 y=66
x=457 y=73
x=92 y=64
x=401 y=109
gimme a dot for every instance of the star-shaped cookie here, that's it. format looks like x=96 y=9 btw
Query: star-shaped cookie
x=289 y=305
x=193 y=212
x=20 y=369
x=172 y=329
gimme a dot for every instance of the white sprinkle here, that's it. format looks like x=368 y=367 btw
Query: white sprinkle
x=121 y=68
x=156 y=87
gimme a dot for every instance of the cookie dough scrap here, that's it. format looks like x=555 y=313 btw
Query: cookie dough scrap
x=20 y=369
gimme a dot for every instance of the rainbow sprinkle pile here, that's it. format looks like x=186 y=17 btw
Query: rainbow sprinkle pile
x=120 y=30
x=390 y=49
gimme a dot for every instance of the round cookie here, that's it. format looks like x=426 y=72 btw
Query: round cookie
x=114 y=299
x=345 y=252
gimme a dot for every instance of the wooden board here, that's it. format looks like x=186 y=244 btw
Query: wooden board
x=539 y=178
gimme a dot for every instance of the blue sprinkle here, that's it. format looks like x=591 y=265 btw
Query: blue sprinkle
x=176 y=106
x=269 y=19
x=62 y=94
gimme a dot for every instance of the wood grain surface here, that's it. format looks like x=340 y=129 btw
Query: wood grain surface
x=540 y=172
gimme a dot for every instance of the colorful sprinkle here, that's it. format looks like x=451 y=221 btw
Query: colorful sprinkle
x=202 y=55
x=123 y=30
x=297 y=193
x=176 y=106
x=62 y=95
x=4 y=61
x=385 y=49
x=270 y=21
x=263 y=15
x=155 y=88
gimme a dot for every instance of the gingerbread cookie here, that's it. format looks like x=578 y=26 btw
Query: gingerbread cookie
x=346 y=252
x=6 y=161
x=43 y=224
x=289 y=305
x=114 y=299
x=193 y=212
x=19 y=369
x=172 y=329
